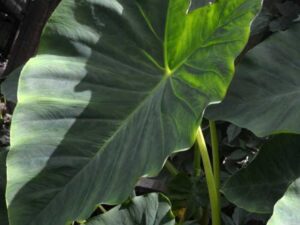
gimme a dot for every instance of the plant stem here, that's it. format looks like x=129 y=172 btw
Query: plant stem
x=212 y=190
x=197 y=161
x=103 y=210
x=197 y=174
x=182 y=216
x=215 y=153
x=171 y=168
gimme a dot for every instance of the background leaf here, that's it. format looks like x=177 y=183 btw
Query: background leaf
x=117 y=86
x=259 y=186
x=286 y=210
x=264 y=96
x=152 y=209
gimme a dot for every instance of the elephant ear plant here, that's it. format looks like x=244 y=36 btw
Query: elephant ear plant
x=116 y=87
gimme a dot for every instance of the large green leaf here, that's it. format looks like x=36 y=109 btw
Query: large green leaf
x=3 y=209
x=117 y=86
x=152 y=209
x=286 y=210
x=259 y=186
x=264 y=96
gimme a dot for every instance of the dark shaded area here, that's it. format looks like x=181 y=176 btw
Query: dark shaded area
x=14 y=7
x=8 y=25
x=21 y=24
x=276 y=15
x=8 y=29
x=5 y=119
x=11 y=15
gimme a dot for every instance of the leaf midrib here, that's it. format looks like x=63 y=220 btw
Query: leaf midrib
x=203 y=45
x=168 y=71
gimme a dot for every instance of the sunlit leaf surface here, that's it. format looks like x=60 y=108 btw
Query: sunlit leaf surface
x=286 y=210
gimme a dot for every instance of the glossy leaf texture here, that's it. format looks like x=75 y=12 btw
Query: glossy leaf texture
x=286 y=210
x=116 y=87
x=264 y=95
x=3 y=209
x=260 y=185
x=152 y=209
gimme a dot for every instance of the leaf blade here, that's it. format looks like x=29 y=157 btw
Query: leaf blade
x=267 y=177
x=264 y=95
x=152 y=209
x=104 y=111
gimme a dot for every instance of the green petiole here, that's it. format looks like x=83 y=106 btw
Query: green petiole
x=213 y=192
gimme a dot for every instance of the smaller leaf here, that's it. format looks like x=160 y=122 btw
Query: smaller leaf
x=264 y=96
x=286 y=210
x=259 y=186
x=151 y=209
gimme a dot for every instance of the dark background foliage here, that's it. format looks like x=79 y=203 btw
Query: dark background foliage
x=21 y=23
